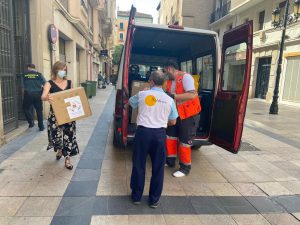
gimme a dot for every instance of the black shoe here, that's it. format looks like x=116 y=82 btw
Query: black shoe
x=153 y=205
x=42 y=128
x=31 y=125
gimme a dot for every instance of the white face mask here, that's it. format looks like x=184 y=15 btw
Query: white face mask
x=61 y=73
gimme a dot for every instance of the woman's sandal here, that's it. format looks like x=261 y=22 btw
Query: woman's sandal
x=58 y=154
x=68 y=164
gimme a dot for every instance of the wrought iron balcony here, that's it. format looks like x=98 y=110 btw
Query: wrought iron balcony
x=220 y=12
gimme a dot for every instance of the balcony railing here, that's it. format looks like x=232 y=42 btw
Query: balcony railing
x=220 y=12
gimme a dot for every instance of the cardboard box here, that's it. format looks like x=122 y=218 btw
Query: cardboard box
x=70 y=105
x=135 y=88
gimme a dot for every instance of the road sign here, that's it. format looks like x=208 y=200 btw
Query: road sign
x=104 y=53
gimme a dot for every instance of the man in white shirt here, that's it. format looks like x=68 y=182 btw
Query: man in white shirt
x=156 y=111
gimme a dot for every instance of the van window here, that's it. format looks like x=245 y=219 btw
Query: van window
x=205 y=69
x=234 y=67
x=199 y=65
x=183 y=66
x=187 y=66
x=142 y=72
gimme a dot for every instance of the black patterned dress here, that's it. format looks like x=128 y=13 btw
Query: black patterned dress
x=64 y=136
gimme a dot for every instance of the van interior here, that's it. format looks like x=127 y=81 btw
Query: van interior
x=195 y=53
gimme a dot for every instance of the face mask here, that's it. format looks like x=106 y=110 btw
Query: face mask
x=61 y=73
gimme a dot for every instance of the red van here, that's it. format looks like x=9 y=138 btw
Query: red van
x=223 y=84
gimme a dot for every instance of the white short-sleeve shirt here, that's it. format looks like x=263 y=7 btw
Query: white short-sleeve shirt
x=155 y=108
x=187 y=82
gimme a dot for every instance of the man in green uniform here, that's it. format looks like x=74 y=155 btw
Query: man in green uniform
x=32 y=84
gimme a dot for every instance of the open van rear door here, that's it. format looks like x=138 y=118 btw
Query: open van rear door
x=125 y=90
x=232 y=94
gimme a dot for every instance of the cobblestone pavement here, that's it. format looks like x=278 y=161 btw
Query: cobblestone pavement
x=260 y=185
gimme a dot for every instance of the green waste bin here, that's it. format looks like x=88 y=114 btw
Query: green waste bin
x=88 y=89
x=93 y=85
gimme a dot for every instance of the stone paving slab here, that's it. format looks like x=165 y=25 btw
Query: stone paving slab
x=39 y=207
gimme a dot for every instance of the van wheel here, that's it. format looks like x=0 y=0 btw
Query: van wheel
x=117 y=141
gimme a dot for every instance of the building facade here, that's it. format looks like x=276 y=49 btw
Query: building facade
x=121 y=24
x=188 y=13
x=80 y=30
x=266 y=41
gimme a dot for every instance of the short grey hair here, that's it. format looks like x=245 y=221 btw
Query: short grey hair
x=157 y=77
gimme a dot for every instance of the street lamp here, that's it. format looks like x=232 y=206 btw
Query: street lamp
x=276 y=16
x=282 y=23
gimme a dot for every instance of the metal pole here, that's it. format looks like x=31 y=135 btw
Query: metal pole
x=274 y=105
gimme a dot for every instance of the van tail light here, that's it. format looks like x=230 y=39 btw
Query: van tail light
x=118 y=105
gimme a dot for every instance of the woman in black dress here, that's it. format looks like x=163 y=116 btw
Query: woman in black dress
x=62 y=138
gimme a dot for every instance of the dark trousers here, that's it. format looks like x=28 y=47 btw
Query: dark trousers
x=33 y=99
x=184 y=130
x=148 y=141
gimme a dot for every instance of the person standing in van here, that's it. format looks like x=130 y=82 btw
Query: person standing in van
x=156 y=111
x=181 y=88
x=32 y=83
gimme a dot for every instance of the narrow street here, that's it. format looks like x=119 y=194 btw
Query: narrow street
x=260 y=185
